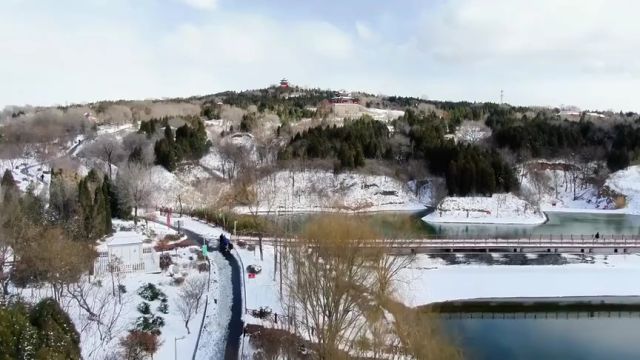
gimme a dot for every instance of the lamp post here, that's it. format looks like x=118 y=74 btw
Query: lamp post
x=175 y=346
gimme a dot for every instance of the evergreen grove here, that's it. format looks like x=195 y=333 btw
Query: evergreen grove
x=188 y=143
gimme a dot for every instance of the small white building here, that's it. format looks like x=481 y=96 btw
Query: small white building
x=127 y=250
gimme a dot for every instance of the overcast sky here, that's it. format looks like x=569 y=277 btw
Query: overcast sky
x=543 y=52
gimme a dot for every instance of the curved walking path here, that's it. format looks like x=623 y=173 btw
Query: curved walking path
x=229 y=300
x=236 y=325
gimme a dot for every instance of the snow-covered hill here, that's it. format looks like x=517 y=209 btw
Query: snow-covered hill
x=319 y=190
x=563 y=186
x=627 y=182
x=497 y=209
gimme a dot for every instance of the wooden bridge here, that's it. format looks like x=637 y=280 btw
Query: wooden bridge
x=568 y=244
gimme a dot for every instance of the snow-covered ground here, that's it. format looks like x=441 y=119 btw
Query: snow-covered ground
x=497 y=209
x=27 y=172
x=560 y=186
x=430 y=280
x=319 y=190
x=263 y=290
x=627 y=182
x=118 y=130
x=471 y=132
x=167 y=187
x=384 y=115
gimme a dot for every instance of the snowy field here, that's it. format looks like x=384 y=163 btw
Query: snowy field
x=497 y=209
x=430 y=280
x=319 y=190
x=264 y=289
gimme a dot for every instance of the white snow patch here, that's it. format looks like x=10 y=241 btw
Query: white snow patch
x=471 y=132
x=627 y=182
x=384 y=115
x=497 y=209
x=320 y=190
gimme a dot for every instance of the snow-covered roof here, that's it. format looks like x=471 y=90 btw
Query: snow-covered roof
x=125 y=238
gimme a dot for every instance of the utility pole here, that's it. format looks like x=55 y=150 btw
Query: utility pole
x=501 y=96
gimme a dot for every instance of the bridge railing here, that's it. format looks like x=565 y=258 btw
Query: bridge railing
x=480 y=242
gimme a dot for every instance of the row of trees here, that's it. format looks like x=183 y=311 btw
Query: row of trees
x=88 y=203
x=276 y=101
x=547 y=136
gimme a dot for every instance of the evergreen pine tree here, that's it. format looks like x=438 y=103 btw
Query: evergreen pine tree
x=9 y=187
x=57 y=335
x=106 y=195
x=7 y=180
x=136 y=155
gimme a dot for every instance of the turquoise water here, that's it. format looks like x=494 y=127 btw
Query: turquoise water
x=407 y=225
x=559 y=223
x=584 y=339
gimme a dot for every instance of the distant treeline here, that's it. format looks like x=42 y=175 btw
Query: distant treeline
x=290 y=104
x=547 y=136
x=468 y=169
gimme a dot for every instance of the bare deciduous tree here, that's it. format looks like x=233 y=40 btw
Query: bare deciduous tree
x=10 y=152
x=233 y=158
x=107 y=148
x=101 y=311
x=134 y=186
x=329 y=282
x=187 y=302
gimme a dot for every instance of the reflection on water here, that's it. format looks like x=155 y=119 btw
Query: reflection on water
x=559 y=223
x=598 y=338
x=407 y=225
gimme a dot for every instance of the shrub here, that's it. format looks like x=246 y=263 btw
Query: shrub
x=144 y=308
x=150 y=323
x=150 y=292
x=138 y=343
x=122 y=289
x=203 y=267
x=172 y=237
x=58 y=336
x=165 y=261
x=163 y=307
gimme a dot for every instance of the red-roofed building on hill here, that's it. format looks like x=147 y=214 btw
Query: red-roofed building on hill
x=284 y=83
